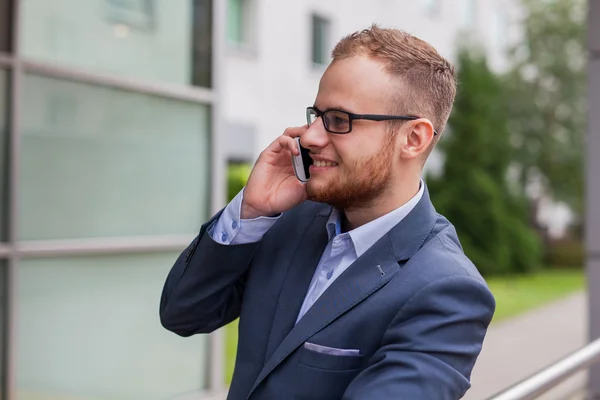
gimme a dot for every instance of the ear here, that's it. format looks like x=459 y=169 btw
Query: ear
x=418 y=138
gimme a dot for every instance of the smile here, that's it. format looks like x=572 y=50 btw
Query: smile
x=321 y=164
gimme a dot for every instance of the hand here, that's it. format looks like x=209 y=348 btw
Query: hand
x=272 y=187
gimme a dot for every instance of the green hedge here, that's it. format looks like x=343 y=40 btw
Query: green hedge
x=237 y=176
x=565 y=253
x=473 y=191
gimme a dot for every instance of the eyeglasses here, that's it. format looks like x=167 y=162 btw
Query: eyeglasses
x=338 y=121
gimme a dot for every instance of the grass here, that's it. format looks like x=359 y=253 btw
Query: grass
x=517 y=294
x=231 y=334
x=514 y=295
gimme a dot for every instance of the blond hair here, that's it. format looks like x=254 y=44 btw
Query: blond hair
x=429 y=79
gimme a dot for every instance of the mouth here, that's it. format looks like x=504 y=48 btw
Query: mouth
x=324 y=164
x=319 y=166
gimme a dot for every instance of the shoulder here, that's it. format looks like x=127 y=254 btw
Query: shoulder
x=443 y=254
x=441 y=280
x=440 y=265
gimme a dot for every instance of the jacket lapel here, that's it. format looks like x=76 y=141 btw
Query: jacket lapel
x=298 y=277
x=359 y=281
x=365 y=276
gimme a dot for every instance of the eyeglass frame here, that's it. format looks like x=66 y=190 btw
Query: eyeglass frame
x=352 y=117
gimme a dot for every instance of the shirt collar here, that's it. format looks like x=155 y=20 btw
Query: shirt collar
x=334 y=223
x=366 y=235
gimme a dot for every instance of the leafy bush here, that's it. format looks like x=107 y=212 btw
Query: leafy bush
x=237 y=176
x=474 y=192
x=566 y=253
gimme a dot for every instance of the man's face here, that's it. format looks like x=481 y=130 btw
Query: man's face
x=351 y=170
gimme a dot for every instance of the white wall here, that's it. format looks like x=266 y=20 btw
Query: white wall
x=271 y=85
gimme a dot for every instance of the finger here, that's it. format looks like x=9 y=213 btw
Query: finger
x=284 y=142
x=295 y=131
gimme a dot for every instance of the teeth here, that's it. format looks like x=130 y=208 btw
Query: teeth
x=324 y=164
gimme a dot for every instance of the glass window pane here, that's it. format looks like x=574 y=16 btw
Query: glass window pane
x=3 y=152
x=98 y=161
x=499 y=28
x=469 y=13
x=3 y=322
x=88 y=329
x=320 y=34
x=202 y=42
x=235 y=31
x=5 y=25
x=146 y=39
x=431 y=7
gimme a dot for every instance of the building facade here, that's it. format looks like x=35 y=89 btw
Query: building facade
x=277 y=51
x=117 y=118
x=107 y=161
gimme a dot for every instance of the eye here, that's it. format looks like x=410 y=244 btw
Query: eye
x=338 y=120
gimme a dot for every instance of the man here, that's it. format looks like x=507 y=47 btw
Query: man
x=350 y=286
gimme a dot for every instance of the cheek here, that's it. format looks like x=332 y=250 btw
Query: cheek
x=359 y=155
x=350 y=150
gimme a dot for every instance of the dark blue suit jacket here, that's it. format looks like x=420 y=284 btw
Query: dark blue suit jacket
x=413 y=304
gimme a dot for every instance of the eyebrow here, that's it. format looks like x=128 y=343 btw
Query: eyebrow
x=340 y=108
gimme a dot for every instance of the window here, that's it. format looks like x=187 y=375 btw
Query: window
x=469 y=14
x=499 y=28
x=3 y=323
x=320 y=40
x=108 y=162
x=241 y=17
x=235 y=20
x=431 y=7
x=132 y=14
x=143 y=39
x=3 y=153
x=5 y=25
x=202 y=43
x=89 y=329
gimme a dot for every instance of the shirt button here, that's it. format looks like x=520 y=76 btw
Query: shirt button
x=330 y=274
x=224 y=237
x=234 y=224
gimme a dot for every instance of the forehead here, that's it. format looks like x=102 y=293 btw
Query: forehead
x=357 y=84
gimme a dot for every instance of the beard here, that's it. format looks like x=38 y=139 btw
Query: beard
x=359 y=184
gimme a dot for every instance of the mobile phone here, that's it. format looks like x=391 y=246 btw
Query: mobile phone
x=302 y=163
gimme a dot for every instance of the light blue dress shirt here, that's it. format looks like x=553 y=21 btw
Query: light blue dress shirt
x=341 y=250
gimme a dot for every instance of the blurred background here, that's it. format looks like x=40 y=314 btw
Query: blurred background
x=124 y=124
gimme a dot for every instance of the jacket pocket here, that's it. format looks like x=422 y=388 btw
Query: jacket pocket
x=321 y=376
x=328 y=358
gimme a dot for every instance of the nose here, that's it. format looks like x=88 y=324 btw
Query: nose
x=315 y=137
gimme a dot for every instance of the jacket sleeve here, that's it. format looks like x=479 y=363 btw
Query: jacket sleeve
x=205 y=286
x=430 y=348
x=230 y=228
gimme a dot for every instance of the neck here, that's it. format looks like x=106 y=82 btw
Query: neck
x=390 y=200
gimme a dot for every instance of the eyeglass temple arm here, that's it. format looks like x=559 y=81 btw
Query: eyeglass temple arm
x=376 y=117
